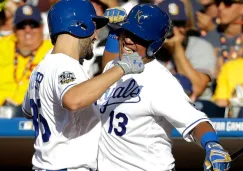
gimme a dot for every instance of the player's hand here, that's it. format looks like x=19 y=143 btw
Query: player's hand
x=115 y=15
x=131 y=64
x=217 y=159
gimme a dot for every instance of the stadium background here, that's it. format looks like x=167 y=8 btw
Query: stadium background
x=17 y=136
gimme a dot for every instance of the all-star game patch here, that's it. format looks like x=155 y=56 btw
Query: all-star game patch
x=66 y=77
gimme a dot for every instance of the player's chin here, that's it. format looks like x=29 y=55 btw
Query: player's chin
x=89 y=55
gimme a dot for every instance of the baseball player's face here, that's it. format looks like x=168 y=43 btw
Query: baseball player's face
x=129 y=43
x=86 y=46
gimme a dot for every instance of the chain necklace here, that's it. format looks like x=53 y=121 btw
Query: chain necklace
x=27 y=66
x=225 y=50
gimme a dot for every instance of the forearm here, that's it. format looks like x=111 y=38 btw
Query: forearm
x=198 y=80
x=86 y=93
x=199 y=131
x=111 y=48
x=216 y=157
x=107 y=57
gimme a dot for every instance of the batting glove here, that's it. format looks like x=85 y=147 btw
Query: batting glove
x=217 y=159
x=131 y=64
x=115 y=15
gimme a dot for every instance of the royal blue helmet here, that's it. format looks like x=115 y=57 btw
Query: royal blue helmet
x=150 y=23
x=75 y=17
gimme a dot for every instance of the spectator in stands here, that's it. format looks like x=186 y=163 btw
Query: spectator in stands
x=44 y=6
x=207 y=16
x=156 y=2
x=186 y=55
x=190 y=23
x=227 y=38
x=229 y=90
x=20 y=53
x=8 y=8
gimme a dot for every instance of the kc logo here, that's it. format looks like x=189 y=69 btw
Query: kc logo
x=139 y=16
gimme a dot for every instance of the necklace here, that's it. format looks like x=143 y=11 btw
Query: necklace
x=27 y=66
x=225 y=49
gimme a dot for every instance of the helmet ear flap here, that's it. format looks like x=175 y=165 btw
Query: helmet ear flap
x=154 y=47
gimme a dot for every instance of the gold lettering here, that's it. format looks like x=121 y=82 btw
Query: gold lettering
x=138 y=16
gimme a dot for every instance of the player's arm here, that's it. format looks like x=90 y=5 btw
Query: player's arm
x=172 y=103
x=111 y=52
x=87 y=92
x=108 y=55
x=216 y=157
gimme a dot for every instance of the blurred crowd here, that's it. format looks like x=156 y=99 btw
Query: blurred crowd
x=203 y=50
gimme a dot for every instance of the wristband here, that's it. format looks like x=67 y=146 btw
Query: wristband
x=112 y=42
x=209 y=137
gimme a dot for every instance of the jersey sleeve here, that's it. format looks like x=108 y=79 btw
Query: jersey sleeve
x=66 y=78
x=26 y=104
x=170 y=101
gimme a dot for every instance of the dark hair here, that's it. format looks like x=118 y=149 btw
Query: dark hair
x=2 y=18
x=144 y=1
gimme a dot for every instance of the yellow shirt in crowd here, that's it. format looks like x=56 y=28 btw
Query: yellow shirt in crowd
x=231 y=75
x=14 y=87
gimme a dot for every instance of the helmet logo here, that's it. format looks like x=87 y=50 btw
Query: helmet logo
x=139 y=16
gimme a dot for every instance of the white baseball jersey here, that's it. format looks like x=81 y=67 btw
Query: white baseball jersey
x=138 y=114
x=64 y=139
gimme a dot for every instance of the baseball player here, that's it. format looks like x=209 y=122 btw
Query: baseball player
x=139 y=111
x=60 y=94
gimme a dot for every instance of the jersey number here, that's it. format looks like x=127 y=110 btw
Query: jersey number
x=38 y=118
x=122 y=125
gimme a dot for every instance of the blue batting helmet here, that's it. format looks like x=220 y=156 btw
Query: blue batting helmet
x=150 y=23
x=75 y=17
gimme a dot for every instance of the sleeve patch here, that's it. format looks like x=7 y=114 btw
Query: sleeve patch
x=66 y=77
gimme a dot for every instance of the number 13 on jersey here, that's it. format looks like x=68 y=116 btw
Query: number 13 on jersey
x=122 y=122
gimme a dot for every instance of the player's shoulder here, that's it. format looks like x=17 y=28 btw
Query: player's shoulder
x=57 y=63
x=156 y=68
x=60 y=59
x=160 y=75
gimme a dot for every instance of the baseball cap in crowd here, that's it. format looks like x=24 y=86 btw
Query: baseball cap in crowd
x=175 y=9
x=185 y=83
x=27 y=12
